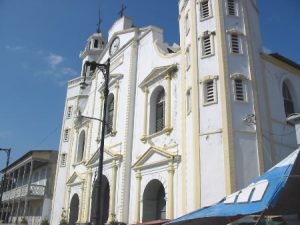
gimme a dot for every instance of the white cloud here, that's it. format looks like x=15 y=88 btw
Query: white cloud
x=54 y=60
x=68 y=71
x=14 y=48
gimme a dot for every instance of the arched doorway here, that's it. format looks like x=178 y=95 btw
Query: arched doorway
x=104 y=198
x=74 y=210
x=154 y=203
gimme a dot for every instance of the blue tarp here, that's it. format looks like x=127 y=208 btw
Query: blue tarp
x=275 y=192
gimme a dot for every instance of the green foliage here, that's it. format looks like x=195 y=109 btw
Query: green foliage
x=24 y=221
x=45 y=222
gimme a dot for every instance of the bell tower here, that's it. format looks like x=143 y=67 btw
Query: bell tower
x=220 y=67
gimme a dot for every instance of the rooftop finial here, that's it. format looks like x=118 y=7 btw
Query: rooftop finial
x=99 y=23
x=121 y=12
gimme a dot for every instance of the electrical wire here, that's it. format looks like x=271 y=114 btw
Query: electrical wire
x=46 y=137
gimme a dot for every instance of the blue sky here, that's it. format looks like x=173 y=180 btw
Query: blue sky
x=40 y=41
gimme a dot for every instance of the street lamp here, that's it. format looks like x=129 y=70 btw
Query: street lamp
x=7 y=151
x=97 y=218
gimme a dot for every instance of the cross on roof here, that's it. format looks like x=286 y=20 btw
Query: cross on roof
x=99 y=23
x=121 y=12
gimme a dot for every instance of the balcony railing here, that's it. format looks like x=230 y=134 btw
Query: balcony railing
x=20 y=192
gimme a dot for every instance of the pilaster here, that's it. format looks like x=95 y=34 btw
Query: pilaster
x=137 y=210
x=170 y=193
x=146 y=94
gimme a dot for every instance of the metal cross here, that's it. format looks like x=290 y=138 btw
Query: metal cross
x=99 y=23
x=121 y=12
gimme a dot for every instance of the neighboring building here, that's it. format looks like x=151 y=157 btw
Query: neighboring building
x=188 y=124
x=29 y=188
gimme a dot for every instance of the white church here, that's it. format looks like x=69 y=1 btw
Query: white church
x=187 y=123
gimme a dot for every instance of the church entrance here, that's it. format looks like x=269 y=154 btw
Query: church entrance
x=74 y=210
x=104 y=199
x=154 y=203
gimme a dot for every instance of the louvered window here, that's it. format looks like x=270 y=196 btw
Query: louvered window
x=160 y=111
x=207 y=48
x=288 y=101
x=109 y=115
x=235 y=43
x=63 y=160
x=69 y=112
x=66 y=134
x=239 y=90
x=205 y=12
x=209 y=91
x=231 y=7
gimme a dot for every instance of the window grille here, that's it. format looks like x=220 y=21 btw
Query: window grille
x=288 y=101
x=66 y=134
x=205 y=12
x=235 y=43
x=239 y=90
x=160 y=111
x=207 y=50
x=209 y=91
x=231 y=8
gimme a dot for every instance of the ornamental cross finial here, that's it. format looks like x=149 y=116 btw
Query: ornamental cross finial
x=121 y=12
x=99 y=23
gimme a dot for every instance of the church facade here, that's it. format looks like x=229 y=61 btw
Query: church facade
x=187 y=124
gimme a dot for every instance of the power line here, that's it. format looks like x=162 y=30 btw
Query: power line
x=46 y=137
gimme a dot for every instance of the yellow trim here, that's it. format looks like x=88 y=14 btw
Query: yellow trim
x=229 y=161
x=253 y=74
x=281 y=64
x=195 y=106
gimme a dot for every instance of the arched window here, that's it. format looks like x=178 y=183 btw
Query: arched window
x=154 y=202
x=160 y=111
x=81 y=145
x=109 y=114
x=287 y=99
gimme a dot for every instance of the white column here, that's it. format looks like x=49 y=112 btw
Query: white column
x=137 y=213
x=67 y=205
x=170 y=193
x=168 y=127
x=146 y=92
x=81 y=203
x=112 y=202
x=88 y=195
x=116 y=100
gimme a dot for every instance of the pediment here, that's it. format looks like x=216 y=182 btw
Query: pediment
x=153 y=156
x=158 y=73
x=108 y=156
x=75 y=178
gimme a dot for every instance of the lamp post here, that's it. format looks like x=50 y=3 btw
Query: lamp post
x=7 y=151
x=97 y=218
